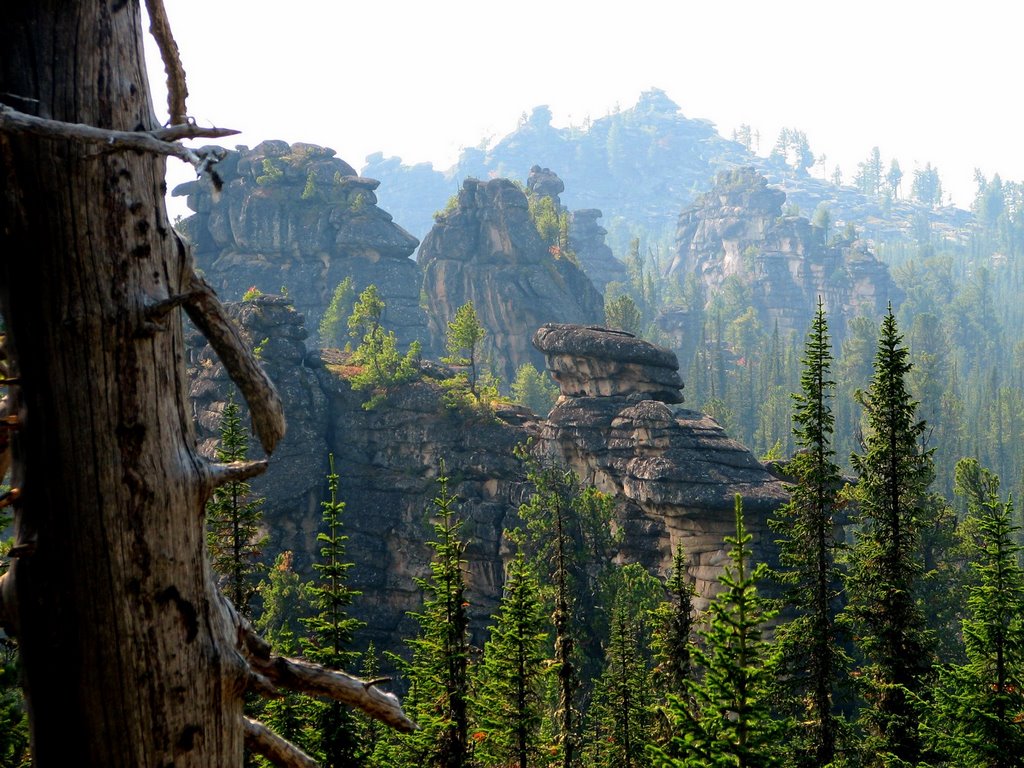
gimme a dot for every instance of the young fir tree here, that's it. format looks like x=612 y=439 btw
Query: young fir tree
x=621 y=715
x=812 y=662
x=331 y=632
x=464 y=339
x=382 y=365
x=672 y=644
x=438 y=672
x=729 y=722
x=333 y=329
x=533 y=389
x=233 y=517
x=886 y=560
x=509 y=683
x=979 y=706
x=568 y=528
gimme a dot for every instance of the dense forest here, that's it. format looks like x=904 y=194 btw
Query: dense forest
x=886 y=629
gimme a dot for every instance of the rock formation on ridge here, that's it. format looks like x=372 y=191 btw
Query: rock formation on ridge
x=299 y=218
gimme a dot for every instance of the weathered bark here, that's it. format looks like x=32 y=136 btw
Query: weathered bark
x=129 y=657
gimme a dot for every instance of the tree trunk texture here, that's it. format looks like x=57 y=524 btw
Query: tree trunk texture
x=126 y=656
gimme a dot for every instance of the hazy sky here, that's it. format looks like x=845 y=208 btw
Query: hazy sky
x=924 y=81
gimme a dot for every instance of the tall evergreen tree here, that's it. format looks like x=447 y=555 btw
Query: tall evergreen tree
x=979 y=710
x=729 y=722
x=233 y=517
x=812 y=661
x=438 y=672
x=568 y=527
x=510 y=680
x=464 y=339
x=886 y=561
x=331 y=631
x=674 y=629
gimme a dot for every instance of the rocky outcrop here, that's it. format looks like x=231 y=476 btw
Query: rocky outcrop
x=587 y=241
x=738 y=230
x=674 y=474
x=486 y=249
x=296 y=217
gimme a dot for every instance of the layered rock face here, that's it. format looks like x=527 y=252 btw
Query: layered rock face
x=737 y=229
x=674 y=474
x=299 y=218
x=487 y=250
x=586 y=239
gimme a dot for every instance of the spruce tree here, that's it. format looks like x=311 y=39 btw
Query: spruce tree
x=382 y=365
x=568 y=529
x=333 y=324
x=812 y=662
x=674 y=630
x=510 y=680
x=331 y=631
x=979 y=707
x=464 y=339
x=233 y=518
x=729 y=722
x=438 y=672
x=886 y=561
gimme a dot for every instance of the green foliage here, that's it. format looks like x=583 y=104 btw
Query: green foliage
x=886 y=562
x=979 y=706
x=509 y=682
x=233 y=520
x=331 y=632
x=729 y=722
x=271 y=173
x=382 y=365
x=334 y=324
x=309 y=190
x=450 y=206
x=252 y=293
x=621 y=313
x=533 y=389
x=14 y=735
x=463 y=341
x=927 y=187
x=438 y=673
x=674 y=621
x=568 y=531
x=809 y=648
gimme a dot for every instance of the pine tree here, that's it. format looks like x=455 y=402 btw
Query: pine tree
x=568 y=527
x=675 y=625
x=383 y=366
x=438 y=672
x=233 y=518
x=333 y=324
x=621 y=716
x=510 y=680
x=464 y=339
x=534 y=390
x=980 y=705
x=730 y=722
x=886 y=561
x=331 y=631
x=808 y=645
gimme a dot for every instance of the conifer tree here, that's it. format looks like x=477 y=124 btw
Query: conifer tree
x=438 y=672
x=464 y=339
x=886 y=561
x=382 y=364
x=730 y=722
x=233 y=517
x=331 y=631
x=674 y=630
x=979 y=709
x=333 y=324
x=568 y=527
x=510 y=680
x=533 y=389
x=812 y=662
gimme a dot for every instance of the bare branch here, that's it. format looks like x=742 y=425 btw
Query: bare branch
x=190 y=131
x=12 y=121
x=312 y=679
x=304 y=677
x=217 y=474
x=265 y=405
x=279 y=751
x=177 y=90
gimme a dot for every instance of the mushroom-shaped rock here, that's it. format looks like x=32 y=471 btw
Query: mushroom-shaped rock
x=591 y=361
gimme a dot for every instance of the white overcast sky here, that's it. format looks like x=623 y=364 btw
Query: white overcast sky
x=931 y=81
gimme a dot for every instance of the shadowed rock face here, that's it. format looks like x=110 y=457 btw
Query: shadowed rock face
x=487 y=250
x=297 y=216
x=737 y=229
x=586 y=239
x=674 y=474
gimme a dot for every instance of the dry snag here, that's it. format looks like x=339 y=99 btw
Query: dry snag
x=128 y=652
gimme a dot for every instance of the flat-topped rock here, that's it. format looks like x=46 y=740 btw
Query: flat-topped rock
x=592 y=361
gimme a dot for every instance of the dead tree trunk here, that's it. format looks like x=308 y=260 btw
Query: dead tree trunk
x=130 y=656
